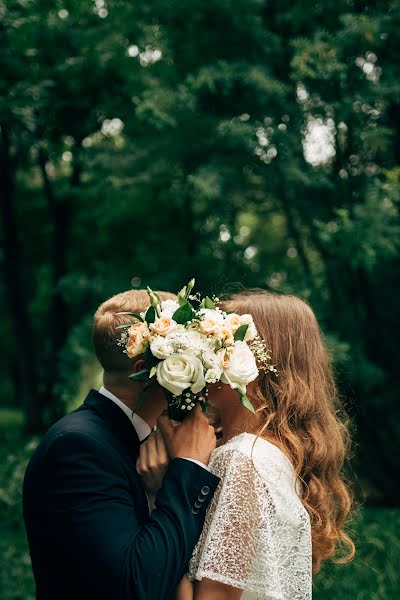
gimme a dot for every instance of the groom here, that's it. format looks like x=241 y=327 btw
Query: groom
x=90 y=533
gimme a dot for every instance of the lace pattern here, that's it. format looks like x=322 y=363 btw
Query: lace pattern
x=257 y=534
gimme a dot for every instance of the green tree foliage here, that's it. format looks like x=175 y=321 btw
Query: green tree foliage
x=237 y=141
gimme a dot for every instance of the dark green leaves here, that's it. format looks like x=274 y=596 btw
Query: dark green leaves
x=142 y=375
x=150 y=314
x=240 y=333
x=184 y=313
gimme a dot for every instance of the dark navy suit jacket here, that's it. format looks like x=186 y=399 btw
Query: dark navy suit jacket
x=86 y=512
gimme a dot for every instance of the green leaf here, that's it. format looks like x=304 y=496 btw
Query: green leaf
x=183 y=314
x=181 y=299
x=131 y=314
x=142 y=375
x=246 y=402
x=240 y=333
x=150 y=315
x=126 y=325
x=153 y=371
x=208 y=303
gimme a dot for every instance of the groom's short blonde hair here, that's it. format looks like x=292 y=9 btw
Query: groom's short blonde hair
x=105 y=323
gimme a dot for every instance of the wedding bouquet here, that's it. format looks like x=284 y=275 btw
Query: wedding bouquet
x=190 y=343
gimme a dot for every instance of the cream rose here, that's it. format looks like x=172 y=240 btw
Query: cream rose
x=251 y=330
x=224 y=357
x=225 y=334
x=179 y=372
x=241 y=369
x=233 y=321
x=138 y=339
x=211 y=321
x=163 y=326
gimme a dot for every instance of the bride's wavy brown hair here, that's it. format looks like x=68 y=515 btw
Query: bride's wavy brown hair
x=301 y=411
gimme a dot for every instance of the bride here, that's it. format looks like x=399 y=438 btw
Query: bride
x=282 y=501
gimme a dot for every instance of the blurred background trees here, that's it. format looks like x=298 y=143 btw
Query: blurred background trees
x=250 y=141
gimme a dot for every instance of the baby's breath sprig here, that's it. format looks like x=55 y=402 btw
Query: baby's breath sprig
x=262 y=355
x=123 y=340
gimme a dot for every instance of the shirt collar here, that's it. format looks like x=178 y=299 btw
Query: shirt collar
x=142 y=429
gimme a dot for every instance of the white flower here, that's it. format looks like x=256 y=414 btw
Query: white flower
x=168 y=307
x=213 y=375
x=163 y=325
x=160 y=347
x=241 y=368
x=209 y=359
x=179 y=372
x=251 y=330
x=191 y=342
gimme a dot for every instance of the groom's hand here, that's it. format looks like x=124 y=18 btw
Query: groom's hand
x=194 y=438
x=153 y=462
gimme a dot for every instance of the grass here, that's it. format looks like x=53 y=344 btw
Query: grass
x=373 y=575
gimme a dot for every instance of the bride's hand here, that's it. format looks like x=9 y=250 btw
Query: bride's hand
x=153 y=462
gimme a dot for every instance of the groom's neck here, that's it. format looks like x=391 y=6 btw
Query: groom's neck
x=128 y=392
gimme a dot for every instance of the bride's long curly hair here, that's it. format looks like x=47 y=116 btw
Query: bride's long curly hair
x=300 y=410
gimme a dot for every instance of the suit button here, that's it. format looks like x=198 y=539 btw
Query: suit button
x=201 y=499
x=205 y=490
x=198 y=503
x=195 y=511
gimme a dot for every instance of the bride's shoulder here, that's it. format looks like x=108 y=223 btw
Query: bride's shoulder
x=263 y=454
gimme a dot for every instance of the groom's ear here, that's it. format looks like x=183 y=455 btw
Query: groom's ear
x=139 y=365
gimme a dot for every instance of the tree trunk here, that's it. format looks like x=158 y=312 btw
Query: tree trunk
x=15 y=292
x=61 y=213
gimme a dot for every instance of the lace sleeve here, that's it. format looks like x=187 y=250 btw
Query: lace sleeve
x=228 y=543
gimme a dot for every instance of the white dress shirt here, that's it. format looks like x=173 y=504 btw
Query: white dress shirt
x=142 y=428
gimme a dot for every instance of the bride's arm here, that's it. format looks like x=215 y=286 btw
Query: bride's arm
x=184 y=590
x=206 y=589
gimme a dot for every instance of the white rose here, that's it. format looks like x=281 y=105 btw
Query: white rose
x=179 y=372
x=160 y=347
x=168 y=307
x=251 y=330
x=213 y=374
x=138 y=339
x=163 y=325
x=241 y=369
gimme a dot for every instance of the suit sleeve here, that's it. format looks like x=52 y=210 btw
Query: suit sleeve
x=91 y=510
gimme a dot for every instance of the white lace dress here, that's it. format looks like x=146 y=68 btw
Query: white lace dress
x=257 y=534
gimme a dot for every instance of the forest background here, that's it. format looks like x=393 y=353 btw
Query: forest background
x=252 y=142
